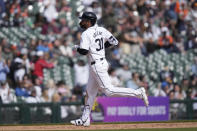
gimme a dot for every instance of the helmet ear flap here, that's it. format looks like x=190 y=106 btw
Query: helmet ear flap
x=93 y=22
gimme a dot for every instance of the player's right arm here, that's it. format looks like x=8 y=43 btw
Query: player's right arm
x=82 y=51
x=84 y=44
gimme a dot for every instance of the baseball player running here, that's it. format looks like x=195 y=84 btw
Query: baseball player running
x=93 y=42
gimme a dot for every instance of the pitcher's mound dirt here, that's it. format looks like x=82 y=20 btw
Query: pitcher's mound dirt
x=99 y=126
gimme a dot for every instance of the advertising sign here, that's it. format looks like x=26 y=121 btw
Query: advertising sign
x=119 y=109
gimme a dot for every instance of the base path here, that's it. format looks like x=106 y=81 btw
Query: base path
x=101 y=126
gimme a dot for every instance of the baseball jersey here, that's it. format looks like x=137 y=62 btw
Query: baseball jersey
x=93 y=40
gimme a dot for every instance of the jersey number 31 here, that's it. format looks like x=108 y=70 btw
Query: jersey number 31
x=100 y=43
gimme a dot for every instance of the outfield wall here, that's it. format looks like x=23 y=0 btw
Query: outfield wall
x=105 y=109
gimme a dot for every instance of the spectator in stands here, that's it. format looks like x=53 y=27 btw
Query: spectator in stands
x=181 y=8
x=6 y=93
x=132 y=36
x=19 y=68
x=45 y=95
x=182 y=11
x=25 y=87
x=2 y=5
x=45 y=98
x=40 y=64
x=178 y=41
x=170 y=13
x=158 y=91
x=78 y=92
x=125 y=48
x=64 y=25
x=192 y=86
x=56 y=51
x=81 y=74
x=27 y=82
x=63 y=91
x=15 y=8
x=4 y=69
x=134 y=82
x=42 y=46
x=37 y=86
x=26 y=61
x=166 y=87
x=194 y=66
x=114 y=79
x=63 y=6
x=166 y=42
x=109 y=17
x=5 y=47
x=22 y=45
x=124 y=73
x=32 y=46
x=56 y=97
x=178 y=92
x=192 y=15
x=21 y=91
x=192 y=41
x=120 y=9
x=149 y=40
x=185 y=84
x=143 y=82
x=115 y=58
x=76 y=36
x=52 y=89
x=65 y=49
x=50 y=11
x=32 y=98
x=166 y=75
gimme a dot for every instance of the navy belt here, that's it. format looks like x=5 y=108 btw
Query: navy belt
x=93 y=62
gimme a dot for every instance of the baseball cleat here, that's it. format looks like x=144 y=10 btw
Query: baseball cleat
x=144 y=96
x=80 y=122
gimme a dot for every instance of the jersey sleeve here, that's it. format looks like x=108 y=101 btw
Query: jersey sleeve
x=85 y=41
x=110 y=38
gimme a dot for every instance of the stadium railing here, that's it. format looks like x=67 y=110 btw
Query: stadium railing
x=27 y=113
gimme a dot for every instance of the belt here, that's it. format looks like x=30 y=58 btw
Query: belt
x=93 y=62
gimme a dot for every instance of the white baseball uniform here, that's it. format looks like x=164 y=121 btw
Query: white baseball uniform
x=93 y=39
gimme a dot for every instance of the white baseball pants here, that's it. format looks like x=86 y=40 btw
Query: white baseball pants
x=99 y=80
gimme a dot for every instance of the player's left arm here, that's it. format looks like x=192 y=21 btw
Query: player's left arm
x=111 y=40
x=107 y=44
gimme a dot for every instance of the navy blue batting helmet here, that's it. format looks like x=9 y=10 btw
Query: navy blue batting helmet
x=89 y=16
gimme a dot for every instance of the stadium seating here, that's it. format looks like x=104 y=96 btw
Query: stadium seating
x=60 y=73
x=149 y=66
x=152 y=65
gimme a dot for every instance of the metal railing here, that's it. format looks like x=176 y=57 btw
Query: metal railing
x=24 y=111
x=189 y=107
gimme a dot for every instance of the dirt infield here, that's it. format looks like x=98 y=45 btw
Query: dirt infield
x=100 y=126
